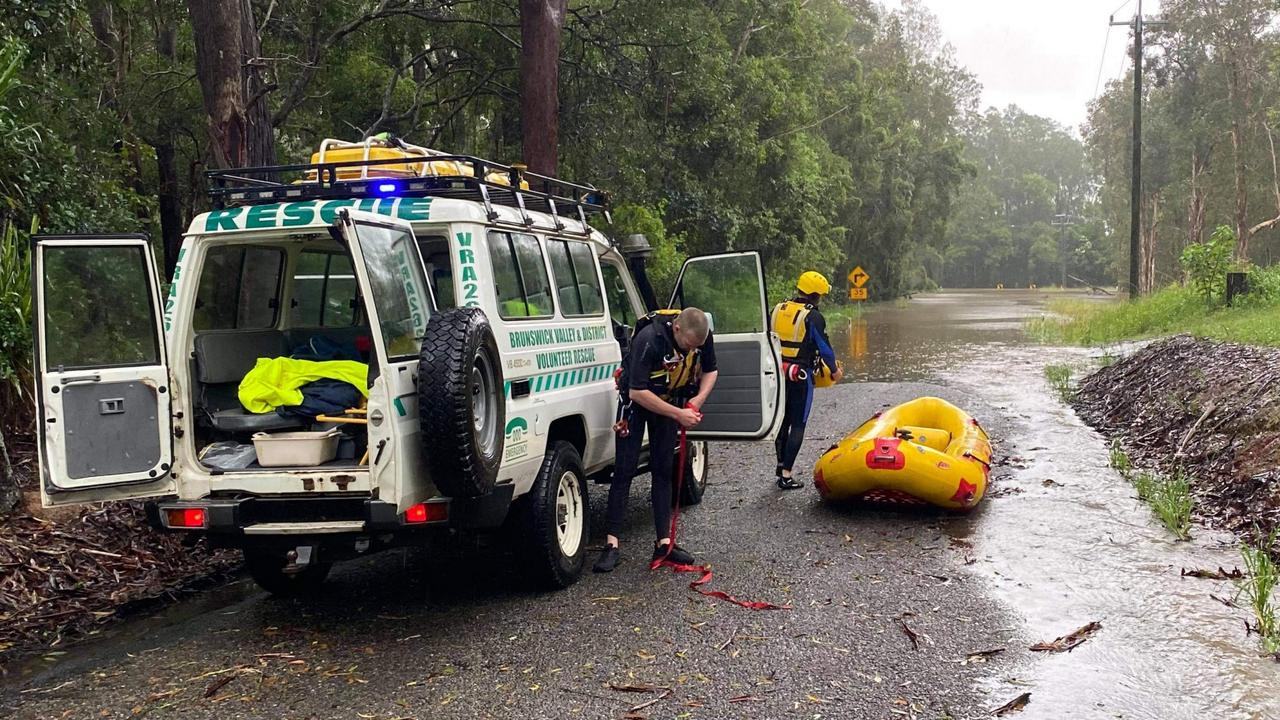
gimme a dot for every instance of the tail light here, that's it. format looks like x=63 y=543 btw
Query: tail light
x=426 y=512
x=186 y=517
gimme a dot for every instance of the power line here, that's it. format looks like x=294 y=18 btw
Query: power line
x=1098 y=83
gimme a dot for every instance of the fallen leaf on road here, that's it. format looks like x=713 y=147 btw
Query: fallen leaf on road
x=666 y=693
x=1050 y=482
x=1013 y=706
x=1066 y=643
x=911 y=634
x=614 y=598
x=745 y=698
x=981 y=656
x=1220 y=574
x=217 y=685
x=817 y=700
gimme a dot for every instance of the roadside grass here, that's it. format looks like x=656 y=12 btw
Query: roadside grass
x=1119 y=459
x=1174 y=309
x=1059 y=377
x=1261 y=579
x=1170 y=497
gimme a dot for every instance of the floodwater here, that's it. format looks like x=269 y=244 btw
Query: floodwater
x=1062 y=538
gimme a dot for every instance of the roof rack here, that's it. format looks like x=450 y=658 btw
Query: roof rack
x=417 y=172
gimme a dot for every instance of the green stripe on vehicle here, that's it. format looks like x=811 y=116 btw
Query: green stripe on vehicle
x=566 y=378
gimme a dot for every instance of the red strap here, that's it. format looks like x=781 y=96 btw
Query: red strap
x=705 y=578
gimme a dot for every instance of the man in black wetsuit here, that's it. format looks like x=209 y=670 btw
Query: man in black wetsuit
x=666 y=377
x=805 y=351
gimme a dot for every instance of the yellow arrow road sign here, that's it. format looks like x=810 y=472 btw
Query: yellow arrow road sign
x=858 y=277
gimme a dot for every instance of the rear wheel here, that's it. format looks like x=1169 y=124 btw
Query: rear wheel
x=553 y=520
x=266 y=567
x=695 y=474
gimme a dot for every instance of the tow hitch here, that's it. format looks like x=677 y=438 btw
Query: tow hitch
x=298 y=559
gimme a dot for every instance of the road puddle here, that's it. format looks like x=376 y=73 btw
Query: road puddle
x=1063 y=539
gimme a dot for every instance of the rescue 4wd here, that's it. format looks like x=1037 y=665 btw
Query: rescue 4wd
x=487 y=317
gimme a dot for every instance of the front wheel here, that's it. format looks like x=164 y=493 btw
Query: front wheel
x=553 y=520
x=266 y=567
x=696 y=466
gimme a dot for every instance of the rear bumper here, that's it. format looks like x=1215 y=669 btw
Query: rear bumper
x=261 y=515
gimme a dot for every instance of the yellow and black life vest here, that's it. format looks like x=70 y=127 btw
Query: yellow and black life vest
x=681 y=370
x=790 y=323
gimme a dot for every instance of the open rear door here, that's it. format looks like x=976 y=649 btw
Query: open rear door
x=102 y=377
x=747 y=401
x=399 y=303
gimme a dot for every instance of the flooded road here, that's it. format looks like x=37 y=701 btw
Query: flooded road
x=1060 y=541
x=1063 y=539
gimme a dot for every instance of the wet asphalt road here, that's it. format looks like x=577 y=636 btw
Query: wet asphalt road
x=411 y=634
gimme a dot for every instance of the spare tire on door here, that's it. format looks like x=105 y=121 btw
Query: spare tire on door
x=461 y=402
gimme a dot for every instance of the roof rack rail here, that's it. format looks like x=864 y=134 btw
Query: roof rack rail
x=462 y=177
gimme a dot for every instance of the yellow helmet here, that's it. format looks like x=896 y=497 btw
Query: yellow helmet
x=813 y=283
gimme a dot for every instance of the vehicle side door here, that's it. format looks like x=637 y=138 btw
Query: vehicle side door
x=747 y=401
x=105 y=429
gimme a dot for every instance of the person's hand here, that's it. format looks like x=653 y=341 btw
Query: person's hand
x=838 y=375
x=696 y=402
x=688 y=417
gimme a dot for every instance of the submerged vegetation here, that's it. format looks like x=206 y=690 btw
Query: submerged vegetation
x=1059 y=377
x=1169 y=495
x=1258 y=586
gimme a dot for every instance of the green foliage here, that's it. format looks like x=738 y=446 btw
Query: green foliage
x=1170 y=498
x=1007 y=225
x=1059 y=377
x=1174 y=309
x=15 y=328
x=1118 y=458
x=1258 y=586
x=1206 y=263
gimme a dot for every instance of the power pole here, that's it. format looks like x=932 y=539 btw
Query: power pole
x=1135 y=200
x=1064 y=221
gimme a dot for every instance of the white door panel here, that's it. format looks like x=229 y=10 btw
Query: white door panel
x=102 y=377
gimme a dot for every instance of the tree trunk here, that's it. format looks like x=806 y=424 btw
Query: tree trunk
x=540 y=25
x=1147 y=248
x=230 y=82
x=1196 y=204
x=171 y=225
x=1235 y=102
x=10 y=494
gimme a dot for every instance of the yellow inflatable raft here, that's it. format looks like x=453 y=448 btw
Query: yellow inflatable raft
x=923 y=451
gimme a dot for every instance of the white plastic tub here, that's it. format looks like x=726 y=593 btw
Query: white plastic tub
x=291 y=449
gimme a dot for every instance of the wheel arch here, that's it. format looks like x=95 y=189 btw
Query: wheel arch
x=571 y=429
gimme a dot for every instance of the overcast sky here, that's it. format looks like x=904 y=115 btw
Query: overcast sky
x=1042 y=55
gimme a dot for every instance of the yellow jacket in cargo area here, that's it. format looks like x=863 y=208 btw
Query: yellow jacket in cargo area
x=275 y=382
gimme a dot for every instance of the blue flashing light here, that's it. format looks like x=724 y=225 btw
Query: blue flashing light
x=387 y=188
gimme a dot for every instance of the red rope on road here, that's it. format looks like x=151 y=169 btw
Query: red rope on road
x=705 y=578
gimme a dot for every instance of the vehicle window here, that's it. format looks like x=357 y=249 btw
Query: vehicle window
x=576 y=283
x=400 y=292
x=239 y=288
x=324 y=291
x=435 y=256
x=97 y=308
x=728 y=289
x=520 y=276
x=620 y=308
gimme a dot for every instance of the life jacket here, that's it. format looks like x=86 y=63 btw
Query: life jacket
x=680 y=370
x=791 y=325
